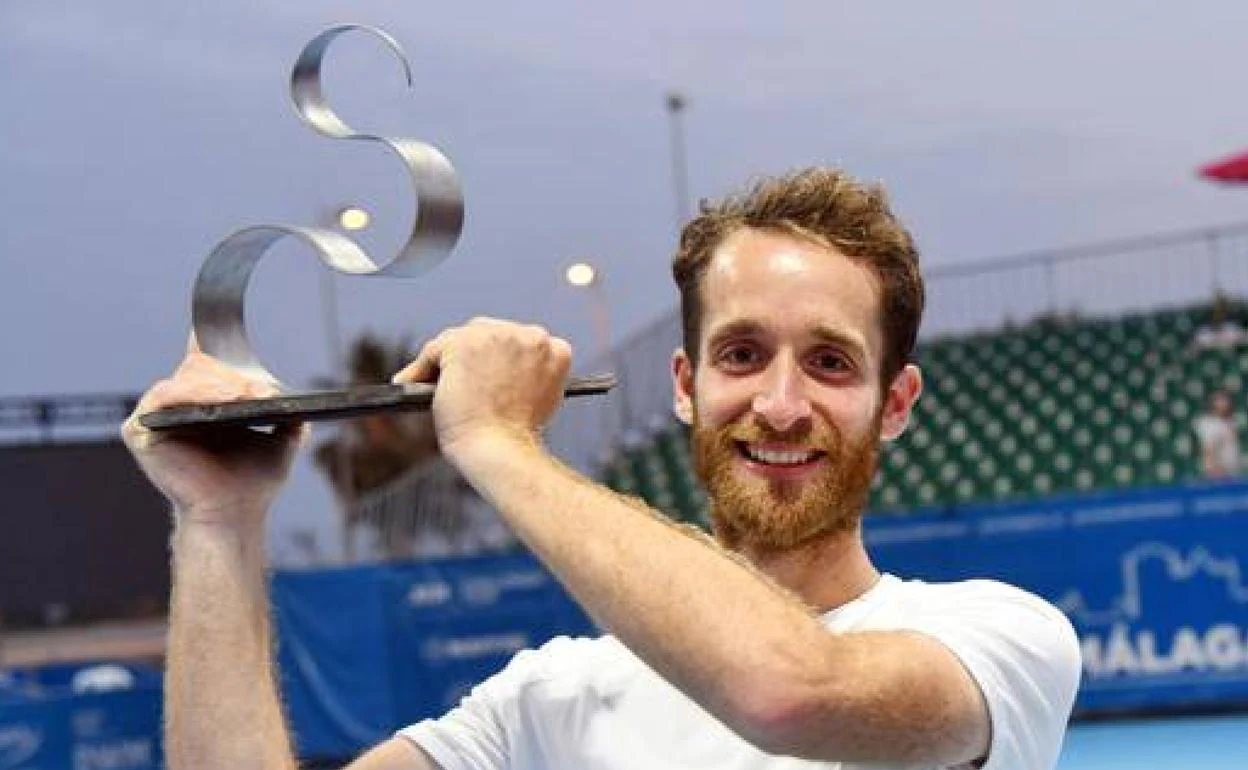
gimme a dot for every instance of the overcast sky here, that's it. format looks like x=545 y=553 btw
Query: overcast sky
x=135 y=135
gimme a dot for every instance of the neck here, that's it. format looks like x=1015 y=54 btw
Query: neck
x=826 y=572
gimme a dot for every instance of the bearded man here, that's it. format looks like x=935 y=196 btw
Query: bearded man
x=775 y=645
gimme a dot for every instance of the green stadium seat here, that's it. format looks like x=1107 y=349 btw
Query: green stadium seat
x=1032 y=410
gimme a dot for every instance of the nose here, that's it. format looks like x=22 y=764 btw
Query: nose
x=782 y=401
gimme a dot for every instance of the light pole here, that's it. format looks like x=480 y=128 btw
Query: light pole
x=583 y=275
x=348 y=219
x=676 y=104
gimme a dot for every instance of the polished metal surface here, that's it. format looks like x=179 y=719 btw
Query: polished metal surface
x=217 y=302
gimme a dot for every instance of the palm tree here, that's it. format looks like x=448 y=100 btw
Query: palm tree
x=389 y=476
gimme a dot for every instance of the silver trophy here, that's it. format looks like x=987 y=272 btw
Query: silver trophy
x=217 y=301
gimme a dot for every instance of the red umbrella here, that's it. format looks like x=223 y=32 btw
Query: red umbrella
x=1232 y=169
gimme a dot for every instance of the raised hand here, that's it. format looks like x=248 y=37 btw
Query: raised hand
x=496 y=380
x=227 y=476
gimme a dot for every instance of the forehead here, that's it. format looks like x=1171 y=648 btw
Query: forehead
x=788 y=284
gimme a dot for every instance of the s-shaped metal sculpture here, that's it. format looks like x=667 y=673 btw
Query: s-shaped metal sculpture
x=217 y=302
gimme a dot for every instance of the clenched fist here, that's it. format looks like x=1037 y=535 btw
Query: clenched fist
x=496 y=380
x=227 y=476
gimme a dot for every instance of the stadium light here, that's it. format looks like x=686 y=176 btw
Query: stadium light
x=583 y=275
x=348 y=218
x=580 y=274
x=353 y=218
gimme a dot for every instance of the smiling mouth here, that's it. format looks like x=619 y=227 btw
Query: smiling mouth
x=779 y=458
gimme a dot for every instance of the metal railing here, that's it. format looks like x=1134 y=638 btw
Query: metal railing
x=48 y=418
x=427 y=511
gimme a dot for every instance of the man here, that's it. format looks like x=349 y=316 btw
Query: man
x=779 y=646
x=1218 y=437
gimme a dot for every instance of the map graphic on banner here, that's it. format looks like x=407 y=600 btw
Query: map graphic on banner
x=1152 y=579
x=1137 y=635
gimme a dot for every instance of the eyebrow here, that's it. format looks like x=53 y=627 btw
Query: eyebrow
x=842 y=339
x=739 y=328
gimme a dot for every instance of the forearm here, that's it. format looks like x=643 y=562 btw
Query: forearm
x=747 y=650
x=222 y=709
x=706 y=621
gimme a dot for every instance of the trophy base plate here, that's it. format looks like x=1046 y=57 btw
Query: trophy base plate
x=315 y=406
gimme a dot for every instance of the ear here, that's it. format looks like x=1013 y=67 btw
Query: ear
x=682 y=386
x=899 y=401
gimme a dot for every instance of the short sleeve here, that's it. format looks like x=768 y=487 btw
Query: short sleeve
x=522 y=718
x=474 y=734
x=1024 y=655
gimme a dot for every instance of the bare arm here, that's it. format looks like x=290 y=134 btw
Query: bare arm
x=221 y=702
x=222 y=708
x=395 y=754
x=746 y=650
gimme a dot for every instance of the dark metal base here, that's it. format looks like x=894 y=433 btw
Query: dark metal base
x=325 y=405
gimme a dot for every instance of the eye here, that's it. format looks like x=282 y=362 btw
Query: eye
x=738 y=356
x=830 y=361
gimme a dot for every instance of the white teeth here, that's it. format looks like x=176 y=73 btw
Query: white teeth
x=772 y=457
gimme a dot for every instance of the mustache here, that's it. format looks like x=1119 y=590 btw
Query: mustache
x=808 y=436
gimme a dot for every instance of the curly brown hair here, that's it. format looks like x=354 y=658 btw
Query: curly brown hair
x=832 y=209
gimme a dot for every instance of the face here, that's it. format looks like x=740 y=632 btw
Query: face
x=1222 y=405
x=786 y=401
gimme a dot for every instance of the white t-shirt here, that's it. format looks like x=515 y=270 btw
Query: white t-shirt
x=1218 y=434
x=591 y=704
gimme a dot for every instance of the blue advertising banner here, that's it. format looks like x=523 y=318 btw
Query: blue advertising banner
x=457 y=623
x=333 y=658
x=45 y=726
x=1152 y=580
x=367 y=650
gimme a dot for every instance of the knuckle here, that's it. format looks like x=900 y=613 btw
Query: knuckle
x=260 y=389
x=159 y=394
x=533 y=336
x=131 y=430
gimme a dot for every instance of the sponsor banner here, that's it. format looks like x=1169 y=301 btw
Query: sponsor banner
x=365 y=651
x=489 y=609
x=333 y=658
x=1153 y=581
x=45 y=729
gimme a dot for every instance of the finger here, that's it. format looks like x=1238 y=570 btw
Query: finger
x=562 y=350
x=256 y=388
x=132 y=431
x=196 y=358
x=486 y=320
x=428 y=362
x=185 y=389
x=197 y=363
x=161 y=394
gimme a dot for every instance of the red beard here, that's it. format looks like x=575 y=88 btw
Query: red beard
x=771 y=515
